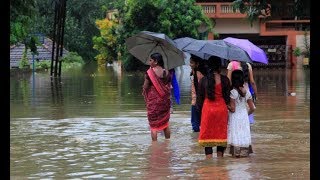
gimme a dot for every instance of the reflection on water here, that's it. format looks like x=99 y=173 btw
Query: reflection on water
x=92 y=124
x=159 y=160
x=216 y=169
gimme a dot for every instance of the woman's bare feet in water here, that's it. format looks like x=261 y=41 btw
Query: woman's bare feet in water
x=219 y=154
x=154 y=135
x=208 y=156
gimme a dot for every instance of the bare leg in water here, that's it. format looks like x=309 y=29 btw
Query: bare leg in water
x=167 y=132
x=154 y=135
x=208 y=151
x=208 y=156
x=220 y=151
x=219 y=154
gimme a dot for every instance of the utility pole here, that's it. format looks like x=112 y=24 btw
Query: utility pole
x=58 y=33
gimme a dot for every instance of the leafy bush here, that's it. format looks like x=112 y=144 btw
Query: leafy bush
x=306 y=43
x=24 y=61
x=72 y=57
x=43 y=64
x=297 y=52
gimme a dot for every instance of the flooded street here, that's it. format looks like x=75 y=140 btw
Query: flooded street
x=94 y=125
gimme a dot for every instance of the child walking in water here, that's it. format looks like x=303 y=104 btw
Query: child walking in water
x=249 y=82
x=239 y=135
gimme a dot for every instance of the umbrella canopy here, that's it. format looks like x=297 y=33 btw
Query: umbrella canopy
x=206 y=48
x=143 y=44
x=255 y=53
x=183 y=42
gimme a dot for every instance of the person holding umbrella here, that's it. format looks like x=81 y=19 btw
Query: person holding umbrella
x=212 y=101
x=198 y=71
x=162 y=54
x=157 y=92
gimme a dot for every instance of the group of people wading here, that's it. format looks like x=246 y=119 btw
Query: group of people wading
x=220 y=104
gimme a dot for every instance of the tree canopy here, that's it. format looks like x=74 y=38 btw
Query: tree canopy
x=37 y=16
x=22 y=14
x=176 y=18
x=87 y=33
x=272 y=9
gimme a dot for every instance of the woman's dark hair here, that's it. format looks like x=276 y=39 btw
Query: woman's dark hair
x=237 y=78
x=214 y=65
x=245 y=70
x=196 y=59
x=207 y=83
x=158 y=58
x=202 y=68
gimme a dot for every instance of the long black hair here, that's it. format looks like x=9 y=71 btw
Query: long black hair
x=245 y=70
x=237 y=78
x=202 y=67
x=214 y=65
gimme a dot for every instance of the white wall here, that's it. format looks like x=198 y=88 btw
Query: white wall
x=300 y=41
x=236 y=26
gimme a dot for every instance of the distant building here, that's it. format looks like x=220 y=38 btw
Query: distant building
x=278 y=35
x=44 y=50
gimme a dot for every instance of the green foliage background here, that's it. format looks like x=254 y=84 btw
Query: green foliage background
x=176 y=18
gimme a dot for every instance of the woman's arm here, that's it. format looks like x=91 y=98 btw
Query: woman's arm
x=229 y=75
x=229 y=72
x=251 y=106
x=232 y=105
x=146 y=83
x=200 y=94
x=252 y=82
x=199 y=75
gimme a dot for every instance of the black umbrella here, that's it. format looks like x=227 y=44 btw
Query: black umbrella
x=143 y=44
x=206 y=48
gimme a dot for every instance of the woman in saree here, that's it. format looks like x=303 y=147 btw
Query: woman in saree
x=157 y=93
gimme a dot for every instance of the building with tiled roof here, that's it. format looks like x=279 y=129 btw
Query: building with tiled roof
x=44 y=50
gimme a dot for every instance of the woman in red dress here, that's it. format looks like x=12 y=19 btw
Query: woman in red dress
x=157 y=92
x=213 y=98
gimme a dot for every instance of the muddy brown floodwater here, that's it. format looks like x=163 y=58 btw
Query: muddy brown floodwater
x=93 y=125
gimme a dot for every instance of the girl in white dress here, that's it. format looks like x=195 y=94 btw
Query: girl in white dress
x=248 y=79
x=239 y=136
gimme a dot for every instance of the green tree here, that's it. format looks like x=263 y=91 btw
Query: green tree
x=79 y=24
x=181 y=18
x=22 y=14
x=45 y=17
x=253 y=8
x=267 y=9
x=176 y=18
x=106 y=43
